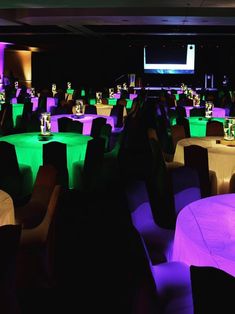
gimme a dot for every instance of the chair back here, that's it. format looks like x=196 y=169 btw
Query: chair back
x=96 y=126
x=104 y=101
x=6 y=122
x=214 y=128
x=117 y=113
x=177 y=133
x=55 y=153
x=144 y=296
x=185 y=122
x=63 y=124
x=93 y=162
x=105 y=133
x=8 y=159
x=197 y=112
x=181 y=112
x=32 y=213
x=160 y=190
x=196 y=157
x=75 y=126
x=33 y=125
x=27 y=110
x=90 y=109
x=37 y=250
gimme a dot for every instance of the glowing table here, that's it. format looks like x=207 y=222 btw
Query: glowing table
x=7 y=214
x=205 y=233
x=50 y=103
x=198 y=125
x=17 y=110
x=105 y=110
x=29 y=150
x=86 y=120
x=221 y=159
x=217 y=112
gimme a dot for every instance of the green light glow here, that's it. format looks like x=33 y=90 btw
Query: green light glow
x=92 y=101
x=69 y=91
x=29 y=150
x=198 y=125
x=177 y=97
x=17 y=110
x=112 y=101
x=128 y=103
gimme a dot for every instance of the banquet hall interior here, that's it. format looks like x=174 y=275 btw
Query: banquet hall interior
x=117 y=167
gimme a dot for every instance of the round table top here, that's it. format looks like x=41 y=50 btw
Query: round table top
x=205 y=233
x=32 y=139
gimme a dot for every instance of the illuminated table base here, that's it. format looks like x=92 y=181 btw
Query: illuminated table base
x=29 y=150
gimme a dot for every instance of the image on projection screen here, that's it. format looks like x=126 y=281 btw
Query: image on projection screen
x=169 y=60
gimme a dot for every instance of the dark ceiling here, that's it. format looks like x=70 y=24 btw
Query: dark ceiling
x=39 y=23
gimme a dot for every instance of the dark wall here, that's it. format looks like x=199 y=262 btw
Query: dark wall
x=105 y=64
x=88 y=65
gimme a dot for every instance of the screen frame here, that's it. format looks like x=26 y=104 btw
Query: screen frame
x=171 y=68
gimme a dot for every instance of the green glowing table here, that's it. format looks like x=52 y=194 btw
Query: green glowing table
x=198 y=125
x=29 y=150
x=17 y=110
x=112 y=101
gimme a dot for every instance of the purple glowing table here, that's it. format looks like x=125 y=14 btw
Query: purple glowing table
x=51 y=103
x=205 y=233
x=86 y=120
x=217 y=112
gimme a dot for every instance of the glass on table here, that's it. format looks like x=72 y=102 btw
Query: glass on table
x=229 y=129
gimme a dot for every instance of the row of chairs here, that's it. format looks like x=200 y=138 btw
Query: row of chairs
x=166 y=286
x=28 y=247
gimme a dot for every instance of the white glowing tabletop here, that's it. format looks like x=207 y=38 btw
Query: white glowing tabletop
x=221 y=159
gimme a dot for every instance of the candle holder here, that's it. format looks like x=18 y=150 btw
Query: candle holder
x=229 y=125
x=111 y=92
x=45 y=126
x=78 y=109
x=209 y=109
x=99 y=97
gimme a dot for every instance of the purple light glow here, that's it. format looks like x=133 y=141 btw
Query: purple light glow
x=2 y=48
x=217 y=112
x=205 y=233
x=51 y=102
x=86 y=120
